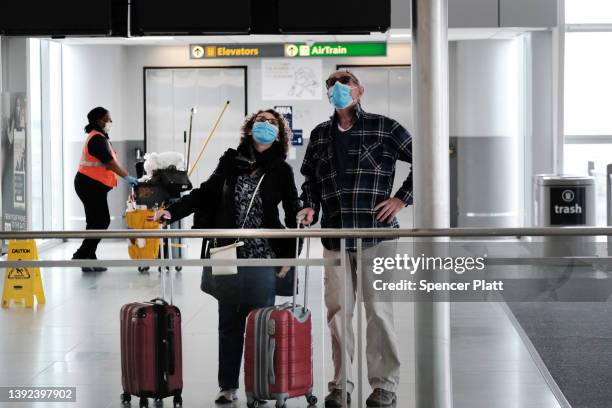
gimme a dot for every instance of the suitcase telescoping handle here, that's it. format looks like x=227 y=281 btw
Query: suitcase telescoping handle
x=306 y=269
x=166 y=247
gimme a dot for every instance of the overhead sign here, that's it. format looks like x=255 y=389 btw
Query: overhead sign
x=202 y=51
x=356 y=49
x=365 y=49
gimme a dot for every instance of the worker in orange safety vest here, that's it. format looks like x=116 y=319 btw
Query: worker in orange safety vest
x=97 y=175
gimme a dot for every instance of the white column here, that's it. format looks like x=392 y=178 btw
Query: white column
x=431 y=190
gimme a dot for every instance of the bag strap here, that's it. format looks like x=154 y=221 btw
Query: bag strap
x=251 y=203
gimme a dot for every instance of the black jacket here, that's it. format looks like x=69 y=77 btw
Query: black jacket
x=213 y=201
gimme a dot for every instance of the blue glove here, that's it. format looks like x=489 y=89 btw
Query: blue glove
x=133 y=181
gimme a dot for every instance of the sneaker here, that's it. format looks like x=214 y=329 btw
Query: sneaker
x=98 y=268
x=381 y=398
x=84 y=268
x=93 y=269
x=89 y=268
x=334 y=399
x=226 y=396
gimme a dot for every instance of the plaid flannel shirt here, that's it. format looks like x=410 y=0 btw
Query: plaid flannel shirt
x=369 y=175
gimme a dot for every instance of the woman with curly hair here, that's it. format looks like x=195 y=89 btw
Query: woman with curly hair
x=230 y=198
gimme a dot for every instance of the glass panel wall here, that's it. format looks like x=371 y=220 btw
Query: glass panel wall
x=588 y=86
x=45 y=88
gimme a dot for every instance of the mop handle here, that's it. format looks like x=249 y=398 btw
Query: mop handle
x=209 y=137
x=186 y=155
x=189 y=140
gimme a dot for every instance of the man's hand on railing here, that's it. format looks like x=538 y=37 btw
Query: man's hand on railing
x=283 y=271
x=307 y=216
x=161 y=216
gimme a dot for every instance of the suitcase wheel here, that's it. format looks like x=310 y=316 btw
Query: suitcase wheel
x=178 y=268
x=281 y=404
x=144 y=403
x=178 y=401
x=253 y=404
x=143 y=269
x=126 y=398
x=158 y=402
x=312 y=400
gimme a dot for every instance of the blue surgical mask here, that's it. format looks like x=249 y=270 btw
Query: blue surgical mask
x=264 y=133
x=340 y=95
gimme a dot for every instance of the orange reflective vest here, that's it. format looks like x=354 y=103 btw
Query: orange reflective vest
x=94 y=168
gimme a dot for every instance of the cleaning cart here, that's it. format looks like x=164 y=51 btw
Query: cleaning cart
x=138 y=217
x=159 y=187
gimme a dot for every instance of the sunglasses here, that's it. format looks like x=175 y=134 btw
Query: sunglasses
x=343 y=79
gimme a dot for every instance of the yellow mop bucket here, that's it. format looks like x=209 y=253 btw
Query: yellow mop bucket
x=142 y=248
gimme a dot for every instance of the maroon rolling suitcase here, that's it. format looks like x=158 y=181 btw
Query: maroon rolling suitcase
x=151 y=350
x=278 y=351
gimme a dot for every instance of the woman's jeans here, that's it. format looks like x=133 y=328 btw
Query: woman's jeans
x=232 y=321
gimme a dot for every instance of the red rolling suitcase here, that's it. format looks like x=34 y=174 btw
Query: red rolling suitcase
x=151 y=350
x=278 y=351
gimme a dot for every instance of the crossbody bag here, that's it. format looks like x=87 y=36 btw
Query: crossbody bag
x=230 y=252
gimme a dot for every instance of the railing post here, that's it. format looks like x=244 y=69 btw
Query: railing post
x=359 y=320
x=344 y=266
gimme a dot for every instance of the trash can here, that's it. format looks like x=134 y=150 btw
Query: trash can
x=564 y=201
x=561 y=201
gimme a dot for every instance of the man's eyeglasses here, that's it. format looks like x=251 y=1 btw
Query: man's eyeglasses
x=262 y=119
x=343 y=79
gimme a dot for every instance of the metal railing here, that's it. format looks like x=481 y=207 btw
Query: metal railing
x=342 y=234
x=313 y=232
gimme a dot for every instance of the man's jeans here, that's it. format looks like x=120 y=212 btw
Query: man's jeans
x=381 y=349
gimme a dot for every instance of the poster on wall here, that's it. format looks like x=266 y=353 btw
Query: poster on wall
x=13 y=146
x=292 y=79
x=287 y=112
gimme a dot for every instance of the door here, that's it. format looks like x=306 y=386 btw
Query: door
x=171 y=93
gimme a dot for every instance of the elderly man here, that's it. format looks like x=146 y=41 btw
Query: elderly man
x=349 y=169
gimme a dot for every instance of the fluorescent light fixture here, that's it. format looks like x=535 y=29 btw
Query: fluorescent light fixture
x=152 y=38
x=400 y=35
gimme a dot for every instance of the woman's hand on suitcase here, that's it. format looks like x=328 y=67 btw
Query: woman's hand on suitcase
x=283 y=271
x=161 y=216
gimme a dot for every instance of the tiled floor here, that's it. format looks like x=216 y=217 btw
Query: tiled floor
x=73 y=340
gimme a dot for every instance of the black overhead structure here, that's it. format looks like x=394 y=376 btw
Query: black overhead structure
x=190 y=17
x=124 y=18
x=55 y=18
x=334 y=16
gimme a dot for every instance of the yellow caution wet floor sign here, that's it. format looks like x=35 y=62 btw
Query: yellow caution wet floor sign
x=22 y=283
